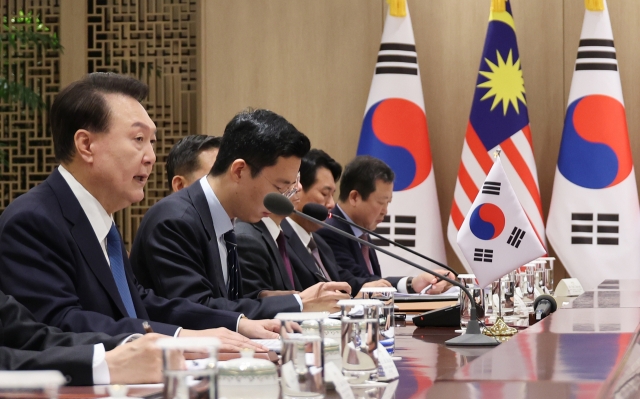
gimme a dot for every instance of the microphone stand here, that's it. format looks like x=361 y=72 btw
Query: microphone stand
x=383 y=238
x=472 y=337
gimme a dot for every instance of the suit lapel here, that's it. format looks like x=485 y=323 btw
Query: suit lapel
x=298 y=248
x=275 y=254
x=328 y=263
x=354 y=245
x=85 y=237
x=199 y=201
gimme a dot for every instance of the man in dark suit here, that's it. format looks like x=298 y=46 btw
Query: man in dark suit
x=186 y=246
x=365 y=192
x=26 y=344
x=61 y=254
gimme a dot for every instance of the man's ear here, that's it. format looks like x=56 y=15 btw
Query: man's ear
x=354 y=197
x=82 y=141
x=178 y=183
x=239 y=169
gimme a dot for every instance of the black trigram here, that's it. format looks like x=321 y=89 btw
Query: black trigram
x=491 y=187
x=392 y=54
x=516 y=237
x=605 y=227
x=403 y=228
x=596 y=55
x=483 y=255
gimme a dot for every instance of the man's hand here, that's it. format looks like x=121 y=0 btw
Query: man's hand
x=324 y=297
x=268 y=293
x=137 y=362
x=262 y=329
x=422 y=280
x=230 y=341
x=377 y=283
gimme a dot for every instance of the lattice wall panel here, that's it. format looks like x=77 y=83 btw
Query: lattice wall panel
x=26 y=149
x=155 y=41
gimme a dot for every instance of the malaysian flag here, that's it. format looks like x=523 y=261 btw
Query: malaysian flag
x=498 y=120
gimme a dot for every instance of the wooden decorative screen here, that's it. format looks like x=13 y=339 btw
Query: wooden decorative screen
x=155 y=41
x=26 y=149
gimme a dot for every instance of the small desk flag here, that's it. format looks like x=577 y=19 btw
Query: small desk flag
x=496 y=237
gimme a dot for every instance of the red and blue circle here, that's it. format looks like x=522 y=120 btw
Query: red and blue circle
x=595 y=151
x=487 y=221
x=395 y=131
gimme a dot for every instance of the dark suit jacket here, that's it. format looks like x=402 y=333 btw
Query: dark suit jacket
x=176 y=253
x=304 y=264
x=348 y=253
x=28 y=345
x=260 y=261
x=52 y=262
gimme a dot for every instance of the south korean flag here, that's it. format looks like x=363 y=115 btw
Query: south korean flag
x=496 y=236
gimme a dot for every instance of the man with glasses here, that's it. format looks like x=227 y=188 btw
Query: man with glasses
x=186 y=244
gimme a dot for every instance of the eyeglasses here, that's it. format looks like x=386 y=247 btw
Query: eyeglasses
x=287 y=191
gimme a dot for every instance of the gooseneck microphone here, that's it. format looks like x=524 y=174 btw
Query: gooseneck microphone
x=313 y=209
x=544 y=305
x=280 y=205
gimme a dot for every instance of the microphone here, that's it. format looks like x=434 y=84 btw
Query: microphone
x=312 y=210
x=280 y=205
x=544 y=305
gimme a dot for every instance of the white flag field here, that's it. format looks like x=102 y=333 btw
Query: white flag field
x=395 y=130
x=594 y=218
x=496 y=237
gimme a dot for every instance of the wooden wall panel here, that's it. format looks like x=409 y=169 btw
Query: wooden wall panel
x=311 y=61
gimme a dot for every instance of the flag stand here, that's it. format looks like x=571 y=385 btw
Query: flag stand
x=500 y=327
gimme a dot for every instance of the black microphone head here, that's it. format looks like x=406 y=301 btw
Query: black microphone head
x=316 y=211
x=278 y=204
x=545 y=297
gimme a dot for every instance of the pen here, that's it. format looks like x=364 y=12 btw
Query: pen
x=147 y=327
x=428 y=287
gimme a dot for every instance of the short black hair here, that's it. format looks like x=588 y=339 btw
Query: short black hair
x=259 y=137
x=310 y=164
x=82 y=105
x=361 y=175
x=183 y=157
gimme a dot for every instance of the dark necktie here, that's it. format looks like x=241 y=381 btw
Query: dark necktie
x=233 y=280
x=114 y=250
x=313 y=247
x=282 y=247
x=365 y=252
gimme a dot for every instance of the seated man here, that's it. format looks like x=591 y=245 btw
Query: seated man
x=28 y=345
x=61 y=254
x=365 y=192
x=186 y=244
x=191 y=158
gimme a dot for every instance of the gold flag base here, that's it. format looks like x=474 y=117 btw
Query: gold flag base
x=500 y=329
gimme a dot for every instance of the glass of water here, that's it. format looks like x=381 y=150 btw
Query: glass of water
x=302 y=370
x=200 y=381
x=360 y=333
x=387 y=318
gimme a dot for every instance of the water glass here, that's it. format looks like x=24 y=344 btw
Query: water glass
x=181 y=383
x=360 y=333
x=387 y=317
x=31 y=384
x=302 y=371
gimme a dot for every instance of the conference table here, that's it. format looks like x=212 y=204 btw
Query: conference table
x=586 y=349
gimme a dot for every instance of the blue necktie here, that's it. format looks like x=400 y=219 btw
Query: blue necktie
x=233 y=282
x=114 y=250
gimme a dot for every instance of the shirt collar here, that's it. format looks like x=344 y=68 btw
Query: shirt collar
x=221 y=220
x=98 y=217
x=356 y=231
x=273 y=228
x=304 y=236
